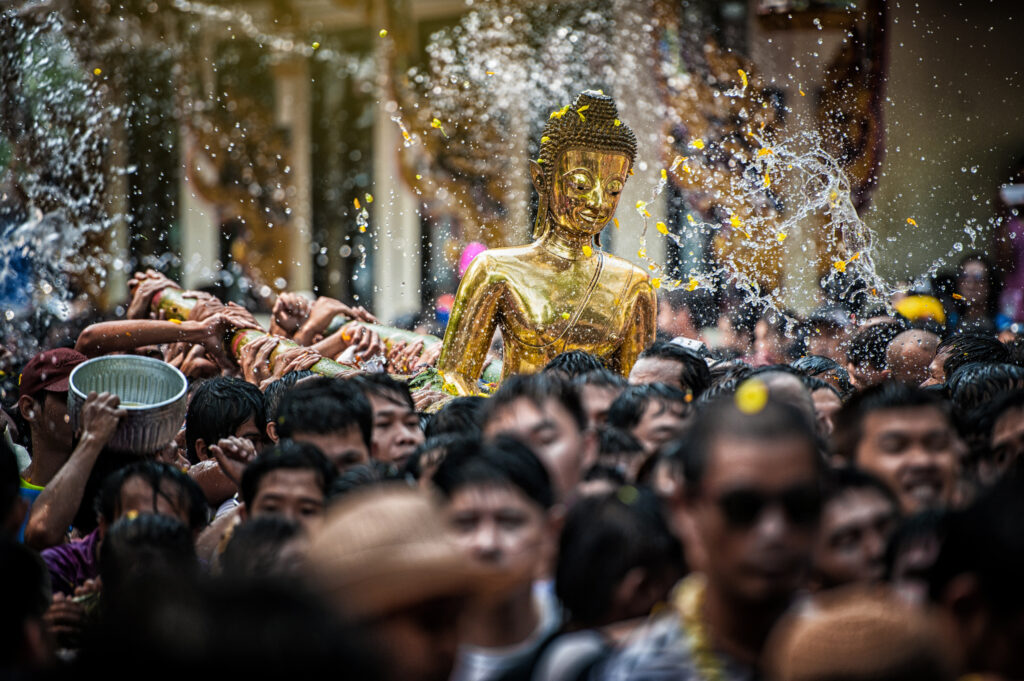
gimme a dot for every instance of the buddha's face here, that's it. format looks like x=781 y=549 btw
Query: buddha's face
x=586 y=189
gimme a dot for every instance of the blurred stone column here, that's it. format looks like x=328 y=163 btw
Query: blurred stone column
x=292 y=110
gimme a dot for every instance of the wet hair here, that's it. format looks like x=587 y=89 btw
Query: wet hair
x=26 y=598
x=815 y=365
x=539 y=389
x=727 y=369
x=694 y=374
x=218 y=408
x=600 y=378
x=849 y=420
x=384 y=387
x=147 y=546
x=600 y=471
x=927 y=525
x=814 y=384
x=573 y=363
x=440 y=444
x=255 y=545
x=362 y=476
x=605 y=537
x=161 y=478
x=502 y=461
x=976 y=384
x=272 y=395
x=965 y=348
x=628 y=408
x=985 y=541
x=286 y=455
x=617 y=441
x=867 y=346
x=839 y=481
x=722 y=418
x=699 y=303
x=1015 y=348
x=462 y=415
x=324 y=405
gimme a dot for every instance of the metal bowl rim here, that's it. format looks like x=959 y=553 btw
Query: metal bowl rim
x=152 y=360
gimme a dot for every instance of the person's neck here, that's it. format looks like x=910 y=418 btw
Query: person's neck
x=503 y=624
x=565 y=244
x=47 y=459
x=737 y=628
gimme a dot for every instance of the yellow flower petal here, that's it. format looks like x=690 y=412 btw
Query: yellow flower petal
x=383 y=32
x=617 y=122
x=743 y=75
x=781 y=236
x=662 y=227
x=316 y=46
x=664 y=174
x=97 y=71
x=616 y=221
x=692 y=284
x=642 y=252
x=912 y=221
x=418 y=176
x=565 y=315
x=751 y=396
x=355 y=201
x=801 y=92
x=640 y=205
x=689 y=218
x=767 y=179
x=544 y=139
x=765 y=151
x=957 y=296
x=698 y=144
x=369 y=198
x=734 y=221
x=840 y=265
x=588 y=251
x=655 y=283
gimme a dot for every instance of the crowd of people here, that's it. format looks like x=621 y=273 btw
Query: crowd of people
x=833 y=499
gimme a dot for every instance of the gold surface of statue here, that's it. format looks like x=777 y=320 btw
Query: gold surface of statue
x=561 y=292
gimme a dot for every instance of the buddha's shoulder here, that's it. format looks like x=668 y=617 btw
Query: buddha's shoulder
x=613 y=263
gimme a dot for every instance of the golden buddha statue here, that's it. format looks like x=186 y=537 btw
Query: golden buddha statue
x=561 y=292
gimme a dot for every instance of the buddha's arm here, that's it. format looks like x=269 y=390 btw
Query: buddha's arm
x=470 y=328
x=641 y=330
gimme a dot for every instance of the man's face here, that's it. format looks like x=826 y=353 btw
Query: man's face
x=396 y=430
x=1007 y=445
x=855 y=529
x=343 y=448
x=500 y=527
x=294 y=493
x=138 y=498
x=596 y=400
x=660 y=423
x=656 y=370
x=419 y=642
x=936 y=369
x=914 y=451
x=755 y=516
x=553 y=435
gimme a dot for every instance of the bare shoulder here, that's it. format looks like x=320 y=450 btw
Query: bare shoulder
x=639 y=279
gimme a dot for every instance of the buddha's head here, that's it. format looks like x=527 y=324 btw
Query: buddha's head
x=586 y=154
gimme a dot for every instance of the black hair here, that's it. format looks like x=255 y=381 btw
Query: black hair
x=964 y=348
x=815 y=365
x=600 y=378
x=694 y=374
x=727 y=369
x=573 y=363
x=219 y=406
x=146 y=546
x=722 y=418
x=286 y=455
x=612 y=440
x=840 y=480
x=463 y=415
x=10 y=478
x=888 y=395
x=867 y=345
x=273 y=393
x=600 y=471
x=976 y=384
x=440 y=444
x=985 y=540
x=603 y=539
x=254 y=548
x=324 y=405
x=1015 y=348
x=700 y=303
x=362 y=476
x=628 y=408
x=926 y=526
x=157 y=475
x=385 y=387
x=538 y=389
x=26 y=598
x=502 y=461
x=814 y=384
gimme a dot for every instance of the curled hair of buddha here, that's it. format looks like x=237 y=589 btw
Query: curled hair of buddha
x=591 y=122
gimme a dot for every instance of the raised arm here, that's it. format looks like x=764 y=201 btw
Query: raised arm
x=470 y=327
x=642 y=327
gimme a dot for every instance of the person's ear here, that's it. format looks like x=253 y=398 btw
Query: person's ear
x=29 y=408
x=272 y=432
x=202 y=451
x=629 y=591
x=537 y=175
x=243 y=512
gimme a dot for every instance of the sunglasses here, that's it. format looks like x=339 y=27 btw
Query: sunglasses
x=743 y=508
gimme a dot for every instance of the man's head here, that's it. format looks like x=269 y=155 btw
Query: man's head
x=330 y=414
x=866 y=353
x=685 y=313
x=272 y=398
x=825 y=368
x=905 y=436
x=43 y=397
x=753 y=498
x=909 y=355
x=396 y=425
x=460 y=416
x=291 y=479
x=499 y=499
x=973 y=386
x=960 y=349
x=544 y=411
x=574 y=363
x=598 y=389
x=1004 y=423
x=151 y=487
x=653 y=413
x=788 y=386
x=858 y=515
x=672 y=365
x=223 y=407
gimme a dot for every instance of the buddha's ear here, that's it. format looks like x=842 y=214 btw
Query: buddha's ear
x=537 y=174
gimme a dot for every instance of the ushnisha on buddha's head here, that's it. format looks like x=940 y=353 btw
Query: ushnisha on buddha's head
x=586 y=155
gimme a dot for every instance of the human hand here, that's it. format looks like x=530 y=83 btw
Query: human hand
x=426 y=397
x=363 y=343
x=233 y=454
x=217 y=328
x=100 y=416
x=204 y=306
x=293 y=359
x=254 y=358
x=402 y=357
x=144 y=285
x=65 y=620
x=290 y=311
x=196 y=364
x=429 y=356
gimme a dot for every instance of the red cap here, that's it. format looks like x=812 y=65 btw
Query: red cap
x=49 y=371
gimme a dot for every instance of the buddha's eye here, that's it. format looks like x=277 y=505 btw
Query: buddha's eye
x=580 y=183
x=614 y=187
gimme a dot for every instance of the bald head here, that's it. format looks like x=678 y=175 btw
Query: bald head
x=788 y=388
x=909 y=354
